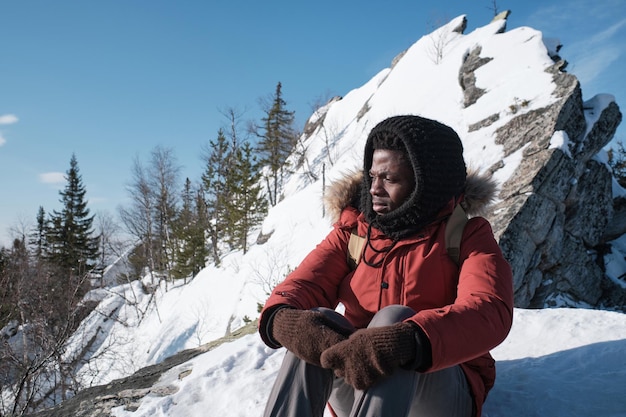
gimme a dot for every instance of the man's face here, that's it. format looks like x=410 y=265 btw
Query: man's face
x=392 y=180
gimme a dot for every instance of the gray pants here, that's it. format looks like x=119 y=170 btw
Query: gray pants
x=303 y=390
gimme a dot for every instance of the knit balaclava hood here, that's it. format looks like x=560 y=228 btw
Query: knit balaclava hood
x=436 y=155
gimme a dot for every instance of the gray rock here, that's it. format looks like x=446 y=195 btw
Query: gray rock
x=557 y=207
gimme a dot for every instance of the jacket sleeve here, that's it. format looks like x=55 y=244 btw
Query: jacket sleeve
x=481 y=316
x=314 y=283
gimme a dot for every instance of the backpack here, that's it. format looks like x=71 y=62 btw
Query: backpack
x=454 y=231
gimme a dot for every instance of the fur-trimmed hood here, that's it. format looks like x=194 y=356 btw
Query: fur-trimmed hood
x=479 y=193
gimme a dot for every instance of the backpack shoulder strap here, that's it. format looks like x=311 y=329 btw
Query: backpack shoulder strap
x=454 y=232
x=355 y=248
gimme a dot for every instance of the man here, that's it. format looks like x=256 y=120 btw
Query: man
x=417 y=327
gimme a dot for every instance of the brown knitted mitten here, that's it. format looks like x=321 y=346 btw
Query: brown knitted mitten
x=372 y=353
x=306 y=333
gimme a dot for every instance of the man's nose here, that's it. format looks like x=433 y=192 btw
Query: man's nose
x=377 y=185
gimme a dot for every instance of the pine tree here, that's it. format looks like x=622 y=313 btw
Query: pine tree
x=181 y=230
x=71 y=242
x=9 y=282
x=38 y=236
x=276 y=143
x=247 y=204
x=198 y=237
x=190 y=226
x=215 y=186
x=7 y=293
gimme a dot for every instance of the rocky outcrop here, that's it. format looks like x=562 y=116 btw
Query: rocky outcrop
x=555 y=208
x=467 y=78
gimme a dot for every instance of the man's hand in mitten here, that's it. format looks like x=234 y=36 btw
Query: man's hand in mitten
x=307 y=333
x=372 y=353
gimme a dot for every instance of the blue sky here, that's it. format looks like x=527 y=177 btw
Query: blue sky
x=111 y=80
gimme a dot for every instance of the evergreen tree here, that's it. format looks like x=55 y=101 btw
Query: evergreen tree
x=276 y=143
x=38 y=236
x=181 y=228
x=8 y=287
x=215 y=186
x=198 y=240
x=247 y=205
x=190 y=227
x=70 y=241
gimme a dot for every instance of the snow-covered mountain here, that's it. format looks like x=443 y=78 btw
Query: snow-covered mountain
x=556 y=362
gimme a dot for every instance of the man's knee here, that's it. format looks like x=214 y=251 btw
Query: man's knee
x=391 y=314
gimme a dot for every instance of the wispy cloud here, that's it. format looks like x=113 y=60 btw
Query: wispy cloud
x=7 y=119
x=564 y=15
x=590 y=65
x=609 y=33
x=52 y=177
x=593 y=33
x=594 y=54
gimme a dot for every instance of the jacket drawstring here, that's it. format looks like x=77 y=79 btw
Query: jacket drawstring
x=368 y=243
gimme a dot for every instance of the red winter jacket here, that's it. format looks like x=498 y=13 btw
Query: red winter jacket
x=464 y=310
